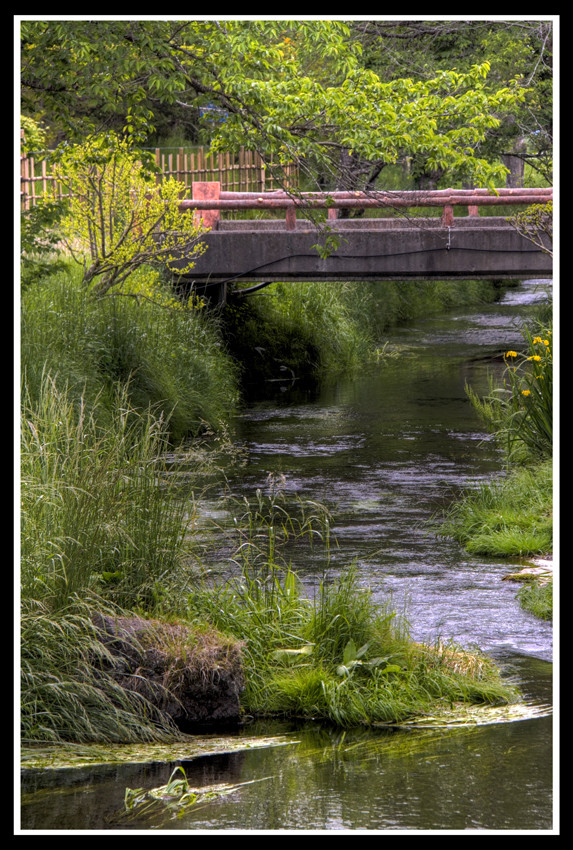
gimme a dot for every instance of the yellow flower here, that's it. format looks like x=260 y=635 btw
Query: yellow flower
x=526 y=392
x=537 y=339
x=534 y=357
x=511 y=354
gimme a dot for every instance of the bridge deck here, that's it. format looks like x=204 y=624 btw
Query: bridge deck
x=380 y=249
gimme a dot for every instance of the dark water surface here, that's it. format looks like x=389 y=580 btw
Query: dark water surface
x=384 y=451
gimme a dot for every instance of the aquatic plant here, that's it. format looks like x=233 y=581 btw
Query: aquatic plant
x=520 y=410
x=177 y=796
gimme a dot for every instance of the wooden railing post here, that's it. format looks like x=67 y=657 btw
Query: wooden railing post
x=207 y=191
x=448 y=215
x=291 y=218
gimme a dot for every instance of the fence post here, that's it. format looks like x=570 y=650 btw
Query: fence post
x=158 y=176
x=205 y=192
x=24 y=175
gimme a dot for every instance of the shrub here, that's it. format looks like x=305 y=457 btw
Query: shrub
x=118 y=218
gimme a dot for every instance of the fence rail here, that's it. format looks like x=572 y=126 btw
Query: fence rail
x=210 y=199
x=242 y=172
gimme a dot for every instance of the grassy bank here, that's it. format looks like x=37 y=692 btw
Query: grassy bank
x=509 y=517
x=109 y=389
x=169 y=360
x=513 y=517
x=315 y=330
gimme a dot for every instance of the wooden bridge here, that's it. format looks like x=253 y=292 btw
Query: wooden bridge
x=401 y=245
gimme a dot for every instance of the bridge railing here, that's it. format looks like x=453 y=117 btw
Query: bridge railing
x=209 y=201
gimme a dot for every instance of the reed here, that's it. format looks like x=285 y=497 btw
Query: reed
x=98 y=508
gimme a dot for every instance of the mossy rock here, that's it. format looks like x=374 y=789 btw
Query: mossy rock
x=195 y=677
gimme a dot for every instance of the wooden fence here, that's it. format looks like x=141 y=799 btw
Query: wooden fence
x=242 y=172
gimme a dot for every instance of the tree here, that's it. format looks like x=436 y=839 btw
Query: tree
x=519 y=49
x=296 y=90
x=118 y=220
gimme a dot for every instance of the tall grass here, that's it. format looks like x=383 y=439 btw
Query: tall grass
x=170 y=359
x=102 y=529
x=97 y=511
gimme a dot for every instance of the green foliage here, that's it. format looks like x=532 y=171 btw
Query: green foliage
x=34 y=138
x=118 y=220
x=508 y=517
x=296 y=89
x=40 y=240
x=520 y=411
x=519 y=50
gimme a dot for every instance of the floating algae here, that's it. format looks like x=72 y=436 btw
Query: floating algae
x=70 y=755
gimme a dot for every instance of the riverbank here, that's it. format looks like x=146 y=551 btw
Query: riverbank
x=513 y=517
x=104 y=521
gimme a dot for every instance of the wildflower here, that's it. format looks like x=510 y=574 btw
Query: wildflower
x=511 y=353
x=534 y=357
x=526 y=392
x=537 y=339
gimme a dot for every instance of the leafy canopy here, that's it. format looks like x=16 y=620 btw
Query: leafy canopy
x=296 y=89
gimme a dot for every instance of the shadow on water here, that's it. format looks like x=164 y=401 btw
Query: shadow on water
x=384 y=453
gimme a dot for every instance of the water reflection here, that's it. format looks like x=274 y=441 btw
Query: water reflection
x=490 y=777
x=384 y=452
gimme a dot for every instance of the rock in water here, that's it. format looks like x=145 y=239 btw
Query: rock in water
x=194 y=677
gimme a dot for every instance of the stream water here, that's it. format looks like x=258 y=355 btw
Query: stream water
x=384 y=451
